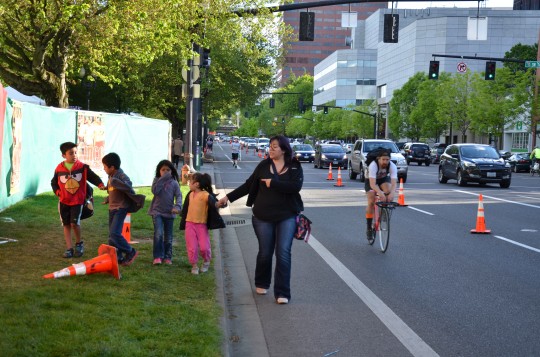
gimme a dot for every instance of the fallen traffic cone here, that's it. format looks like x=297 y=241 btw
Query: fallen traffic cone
x=330 y=177
x=339 y=183
x=126 y=228
x=105 y=262
x=480 y=220
x=401 y=195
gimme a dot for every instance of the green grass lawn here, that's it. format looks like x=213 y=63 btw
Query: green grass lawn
x=151 y=311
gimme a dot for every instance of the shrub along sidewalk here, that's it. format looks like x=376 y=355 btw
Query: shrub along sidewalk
x=152 y=311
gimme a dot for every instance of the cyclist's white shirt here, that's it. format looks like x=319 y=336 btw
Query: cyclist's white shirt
x=376 y=173
x=235 y=147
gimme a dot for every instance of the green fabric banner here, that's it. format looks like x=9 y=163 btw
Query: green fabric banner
x=32 y=135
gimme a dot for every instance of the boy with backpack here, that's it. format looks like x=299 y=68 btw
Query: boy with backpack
x=69 y=184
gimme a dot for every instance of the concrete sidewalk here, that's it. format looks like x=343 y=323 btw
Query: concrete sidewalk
x=241 y=324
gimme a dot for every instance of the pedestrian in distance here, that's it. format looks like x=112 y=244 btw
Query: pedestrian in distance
x=69 y=183
x=382 y=180
x=166 y=204
x=273 y=191
x=235 y=152
x=178 y=148
x=199 y=214
x=122 y=200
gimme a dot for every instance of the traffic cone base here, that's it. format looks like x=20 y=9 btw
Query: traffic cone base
x=339 y=183
x=330 y=177
x=105 y=262
x=401 y=195
x=480 y=219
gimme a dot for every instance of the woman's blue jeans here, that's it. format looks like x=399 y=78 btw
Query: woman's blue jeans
x=163 y=236
x=276 y=236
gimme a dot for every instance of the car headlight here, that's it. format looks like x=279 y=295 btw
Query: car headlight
x=507 y=164
x=401 y=161
x=323 y=156
x=469 y=165
x=344 y=156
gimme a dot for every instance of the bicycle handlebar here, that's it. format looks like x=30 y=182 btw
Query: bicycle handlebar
x=387 y=204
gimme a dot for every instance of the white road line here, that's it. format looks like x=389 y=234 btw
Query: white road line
x=409 y=339
x=499 y=199
x=519 y=244
x=419 y=210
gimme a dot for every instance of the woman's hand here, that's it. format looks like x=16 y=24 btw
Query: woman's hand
x=222 y=202
x=267 y=182
x=175 y=210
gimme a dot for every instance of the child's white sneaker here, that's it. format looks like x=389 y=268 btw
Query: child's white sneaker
x=205 y=267
x=195 y=270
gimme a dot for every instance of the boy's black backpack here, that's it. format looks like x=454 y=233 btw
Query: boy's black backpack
x=88 y=207
x=375 y=153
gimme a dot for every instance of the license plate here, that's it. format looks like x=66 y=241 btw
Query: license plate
x=306 y=156
x=491 y=174
x=335 y=162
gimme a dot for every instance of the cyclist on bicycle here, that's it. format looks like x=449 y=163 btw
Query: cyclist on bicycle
x=382 y=179
x=535 y=155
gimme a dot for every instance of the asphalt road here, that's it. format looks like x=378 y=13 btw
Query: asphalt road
x=438 y=290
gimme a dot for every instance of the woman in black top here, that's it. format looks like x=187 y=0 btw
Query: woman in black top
x=273 y=191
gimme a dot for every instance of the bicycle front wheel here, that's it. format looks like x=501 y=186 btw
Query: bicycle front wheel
x=384 y=229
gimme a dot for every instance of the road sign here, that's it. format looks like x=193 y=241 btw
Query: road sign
x=532 y=64
x=462 y=67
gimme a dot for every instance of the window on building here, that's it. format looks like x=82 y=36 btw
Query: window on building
x=381 y=91
x=342 y=63
x=520 y=141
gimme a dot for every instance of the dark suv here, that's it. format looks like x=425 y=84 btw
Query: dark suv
x=417 y=152
x=474 y=163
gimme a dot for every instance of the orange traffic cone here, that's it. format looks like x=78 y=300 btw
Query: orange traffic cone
x=480 y=220
x=401 y=195
x=330 y=177
x=339 y=183
x=260 y=155
x=265 y=155
x=106 y=262
x=126 y=228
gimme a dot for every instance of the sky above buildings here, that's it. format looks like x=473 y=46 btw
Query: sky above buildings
x=425 y=4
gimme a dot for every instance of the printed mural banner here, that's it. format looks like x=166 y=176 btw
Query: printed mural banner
x=3 y=100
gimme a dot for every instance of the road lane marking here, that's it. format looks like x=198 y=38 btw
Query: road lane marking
x=519 y=244
x=419 y=210
x=409 y=339
x=500 y=199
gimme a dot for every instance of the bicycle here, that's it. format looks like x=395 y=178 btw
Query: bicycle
x=535 y=168
x=381 y=223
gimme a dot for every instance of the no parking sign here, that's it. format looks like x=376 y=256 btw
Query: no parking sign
x=462 y=67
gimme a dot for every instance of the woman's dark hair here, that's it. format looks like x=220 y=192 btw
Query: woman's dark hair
x=112 y=159
x=285 y=146
x=170 y=165
x=204 y=180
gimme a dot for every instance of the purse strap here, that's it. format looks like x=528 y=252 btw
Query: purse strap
x=276 y=176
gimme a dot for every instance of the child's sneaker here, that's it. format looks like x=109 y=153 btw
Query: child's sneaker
x=68 y=253
x=195 y=270
x=130 y=258
x=157 y=261
x=79 y=249
x=167 y=262
x=205 y=267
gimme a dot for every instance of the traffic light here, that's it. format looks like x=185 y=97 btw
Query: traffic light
x=490 y=70
x=206 y=58
x=325 y=111
x=307 y=26
x=433 y=69
x=272 y=102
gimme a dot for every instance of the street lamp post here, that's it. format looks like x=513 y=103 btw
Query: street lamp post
x=88 y=85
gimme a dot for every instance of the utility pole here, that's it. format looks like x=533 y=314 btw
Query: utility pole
x=535 y=117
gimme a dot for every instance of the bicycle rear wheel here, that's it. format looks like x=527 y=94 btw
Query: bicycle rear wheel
x=384 y=229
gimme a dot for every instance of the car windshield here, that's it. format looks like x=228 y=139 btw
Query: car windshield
x=303 y=147
x=375 y=145
x=479 y=152
x=332 y=149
